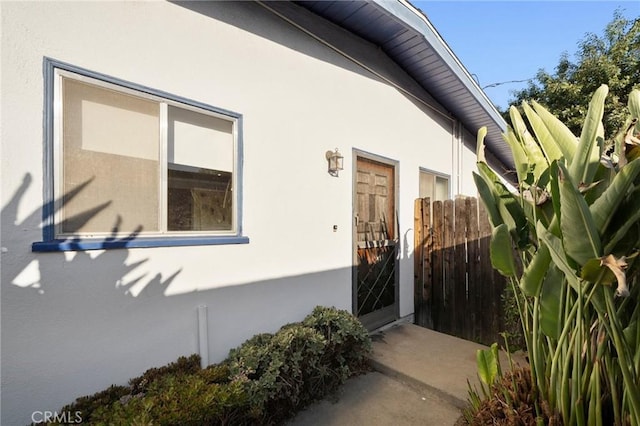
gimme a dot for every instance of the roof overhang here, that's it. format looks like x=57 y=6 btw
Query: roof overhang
x=405 y=34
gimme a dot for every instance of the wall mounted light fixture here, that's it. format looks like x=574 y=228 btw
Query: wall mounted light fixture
x=335 y=160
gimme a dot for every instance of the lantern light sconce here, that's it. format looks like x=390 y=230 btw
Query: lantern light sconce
x=335 y=160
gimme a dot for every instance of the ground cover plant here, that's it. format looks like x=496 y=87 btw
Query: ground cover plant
x=264 y=381
x=569 y=240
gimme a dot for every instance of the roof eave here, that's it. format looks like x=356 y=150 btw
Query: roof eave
x=409 y=14
x=412 y=17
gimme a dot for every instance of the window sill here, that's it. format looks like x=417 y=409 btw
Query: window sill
x=108 y=244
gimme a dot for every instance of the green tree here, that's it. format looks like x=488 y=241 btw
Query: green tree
x=612 y=59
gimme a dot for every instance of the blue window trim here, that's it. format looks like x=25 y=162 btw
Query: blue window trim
x=50 y=243
x=126 y=242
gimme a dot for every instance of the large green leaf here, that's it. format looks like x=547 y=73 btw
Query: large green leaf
x=566 y=141
x=554 y=187
x=604 y=208
x=519 y=156
x=548 y=144
x=501 y=251
x=585 y=162
x=486 y=194
x=550 y=303
x=488 y=364
x=579 y=233
x=537 y=162
x=533 y=275
x=508 y=205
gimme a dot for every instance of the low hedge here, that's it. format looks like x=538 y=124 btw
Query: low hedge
x=264 y=381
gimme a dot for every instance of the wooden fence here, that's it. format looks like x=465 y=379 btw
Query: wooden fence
x=456 y=290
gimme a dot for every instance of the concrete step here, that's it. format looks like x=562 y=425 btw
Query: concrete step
x=427 y=359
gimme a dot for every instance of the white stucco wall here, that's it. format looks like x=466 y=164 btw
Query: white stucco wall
x=468 y=164
x=76 y=322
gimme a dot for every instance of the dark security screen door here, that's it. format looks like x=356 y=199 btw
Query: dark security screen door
x=375 y=274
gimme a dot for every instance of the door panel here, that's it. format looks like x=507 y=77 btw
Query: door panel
x=375 y=289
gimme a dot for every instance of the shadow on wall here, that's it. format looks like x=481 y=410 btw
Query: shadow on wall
x=74 y=323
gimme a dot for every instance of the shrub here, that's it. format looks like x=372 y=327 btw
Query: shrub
x=263 y=381
x=347 y=341
x=302 y=362
x=277 y=371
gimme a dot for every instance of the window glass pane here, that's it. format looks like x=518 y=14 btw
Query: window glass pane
x=200 y=140
x=442 y=188
x=200 y=184
x=111 y=140
x=426 y=185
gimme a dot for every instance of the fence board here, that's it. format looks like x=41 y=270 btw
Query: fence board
x=460 y=311
x=449 y=265
x=472 y=267
x=426 y=262
x=419 y=305
x=437 y=262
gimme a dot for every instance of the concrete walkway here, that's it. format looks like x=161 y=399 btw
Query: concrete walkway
x=420 y=378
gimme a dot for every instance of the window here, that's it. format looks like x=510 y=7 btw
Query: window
x=133 y=164
x=433 y=186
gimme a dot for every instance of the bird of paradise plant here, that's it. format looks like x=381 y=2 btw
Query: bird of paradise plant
x=569 y=240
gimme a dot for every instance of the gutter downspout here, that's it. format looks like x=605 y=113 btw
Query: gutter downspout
x=203 y=336
x=460 y=154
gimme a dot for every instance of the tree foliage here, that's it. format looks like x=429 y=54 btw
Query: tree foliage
x=612 y=59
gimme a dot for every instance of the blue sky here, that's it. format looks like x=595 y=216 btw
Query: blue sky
x=500 y=41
